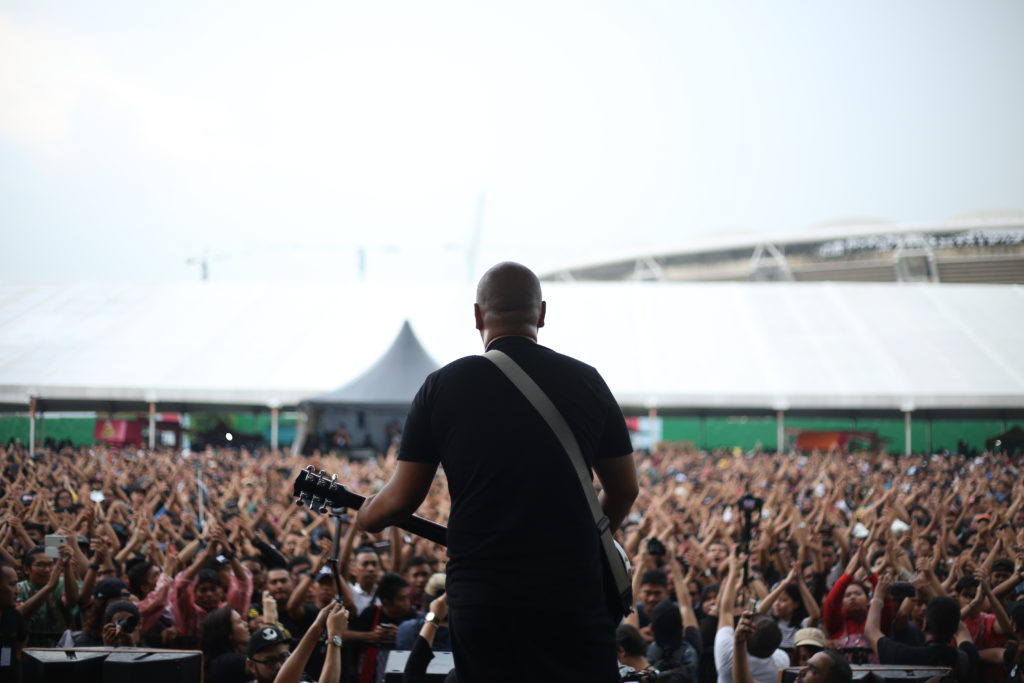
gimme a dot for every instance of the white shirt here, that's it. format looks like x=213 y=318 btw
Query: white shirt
x=762 y=670
x=362 y=598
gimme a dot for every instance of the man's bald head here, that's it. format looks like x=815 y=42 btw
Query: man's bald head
x=508 y=302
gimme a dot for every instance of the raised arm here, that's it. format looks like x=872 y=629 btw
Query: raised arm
x=337 y=622
x=682 y=593
x=1003 y=625
x=740 y=664
x=291 y=670
x=873 y=625
x=399 y=498
x=727 y=599
x=767 y=603
x=29 y=607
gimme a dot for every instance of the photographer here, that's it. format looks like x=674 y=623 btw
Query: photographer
x=121 y=624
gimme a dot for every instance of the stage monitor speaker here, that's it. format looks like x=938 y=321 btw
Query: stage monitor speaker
x=437 y=669
x=153 y=666
x=883 y=673
x=111 y=665
x=45 y=665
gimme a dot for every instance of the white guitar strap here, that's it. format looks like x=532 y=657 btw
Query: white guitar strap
x=617 y=561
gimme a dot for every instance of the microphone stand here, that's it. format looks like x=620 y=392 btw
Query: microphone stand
x=334 y=560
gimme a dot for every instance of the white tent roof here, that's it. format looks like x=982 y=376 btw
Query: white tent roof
x=667 y=345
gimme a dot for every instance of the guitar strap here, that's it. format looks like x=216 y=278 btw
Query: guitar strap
x=616 y=560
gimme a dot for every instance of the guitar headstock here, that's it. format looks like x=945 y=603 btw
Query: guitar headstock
x=321 y=493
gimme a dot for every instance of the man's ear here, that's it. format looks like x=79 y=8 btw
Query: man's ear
x=479 y=316
x=543 y=311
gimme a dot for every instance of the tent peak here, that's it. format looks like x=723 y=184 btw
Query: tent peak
x=393 y=380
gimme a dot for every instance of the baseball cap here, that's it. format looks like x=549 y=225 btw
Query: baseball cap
x=324 y=574
x=109 y=588
x=809 y=636
x=983 y=516
x=265 y=637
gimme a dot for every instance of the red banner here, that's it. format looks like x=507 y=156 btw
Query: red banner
x=117 y=432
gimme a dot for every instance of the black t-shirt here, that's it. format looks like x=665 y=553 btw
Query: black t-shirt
x=1011 y=667
x=891 y=651
x=228 y=668
x=13 y=632
x=352 y=652
x=520 y=531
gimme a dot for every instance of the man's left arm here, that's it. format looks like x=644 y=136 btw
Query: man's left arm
x=399 y=498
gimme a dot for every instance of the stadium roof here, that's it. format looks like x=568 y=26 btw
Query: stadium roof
x=730 y=347
x=827 y=240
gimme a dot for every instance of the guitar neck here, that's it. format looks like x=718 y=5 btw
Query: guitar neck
x=339 y=496
x=419 y=526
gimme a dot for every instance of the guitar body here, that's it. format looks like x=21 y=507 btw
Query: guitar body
x=619 y=604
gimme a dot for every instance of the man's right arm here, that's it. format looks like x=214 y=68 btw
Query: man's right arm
x=619 y=487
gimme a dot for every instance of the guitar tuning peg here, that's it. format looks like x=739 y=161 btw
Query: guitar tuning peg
x=314 y=502
x=323 y=474
x=300 y=502
x=308 y=468
x=324 y=509
x=334 y=482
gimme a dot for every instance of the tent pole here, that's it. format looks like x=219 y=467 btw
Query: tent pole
x=906 y=433
x=780 y=431
x=31 y=426
x=152 y=425
x=301 y=428
x=273 y=428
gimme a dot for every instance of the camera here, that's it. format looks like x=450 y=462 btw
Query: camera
x=749 y=504
x=655 y=547
x=127 y=624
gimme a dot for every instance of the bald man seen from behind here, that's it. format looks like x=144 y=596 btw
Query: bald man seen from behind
x=525 y=570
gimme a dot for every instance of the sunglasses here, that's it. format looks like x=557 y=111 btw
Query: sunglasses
x=272 y=661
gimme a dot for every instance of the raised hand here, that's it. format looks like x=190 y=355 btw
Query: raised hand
x=337 y=619
x=439 y=606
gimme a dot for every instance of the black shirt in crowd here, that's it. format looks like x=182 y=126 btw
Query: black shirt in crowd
x=962 y=660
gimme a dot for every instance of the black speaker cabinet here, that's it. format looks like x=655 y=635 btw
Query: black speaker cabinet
x=437 y=670
x=111 y=665
x=153 y=666
x=44 y=665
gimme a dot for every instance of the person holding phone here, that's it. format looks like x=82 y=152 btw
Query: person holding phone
x=47 y=598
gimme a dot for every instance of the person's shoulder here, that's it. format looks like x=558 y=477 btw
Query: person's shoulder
x=723 y=637
x=457 y=367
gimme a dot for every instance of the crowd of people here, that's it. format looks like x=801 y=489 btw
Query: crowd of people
x=743 y=564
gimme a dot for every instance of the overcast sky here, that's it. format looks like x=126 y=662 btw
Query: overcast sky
x=282 y=139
